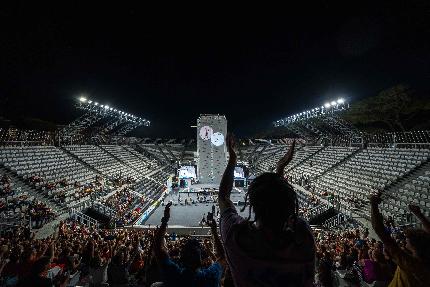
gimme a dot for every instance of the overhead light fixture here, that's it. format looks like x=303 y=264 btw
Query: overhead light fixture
x=327 y=105
x=96 y=103
x=90 y=101
x=83 y=99
x=106 y=107
x=340 y=101
x=333 y=103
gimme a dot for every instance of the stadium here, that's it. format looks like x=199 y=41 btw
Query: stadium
x=109 y=189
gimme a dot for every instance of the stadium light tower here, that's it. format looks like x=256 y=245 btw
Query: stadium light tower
x=328 y=107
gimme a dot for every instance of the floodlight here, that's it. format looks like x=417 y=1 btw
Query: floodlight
x=96 y=103
x=106 y=107
x=111 y=109
x=340 y=101
x=90 y=101
x=327 y=105
x=83 y=99
x=333 y=103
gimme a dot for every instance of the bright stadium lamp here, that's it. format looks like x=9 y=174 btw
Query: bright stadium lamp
x=327 y=105
x=90 y=101
x=340 y=101
x=333 y=103
x=107 y=107
x=96 y=103
x=111 y=109
x=83 y=99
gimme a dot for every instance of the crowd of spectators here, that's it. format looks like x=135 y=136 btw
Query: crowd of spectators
x=126 y=204
x=20 y=209
x=276 y=248
x=78 y=255
x=6 y=186
x=63 y=191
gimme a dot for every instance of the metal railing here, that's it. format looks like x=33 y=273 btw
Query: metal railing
x=84 y=219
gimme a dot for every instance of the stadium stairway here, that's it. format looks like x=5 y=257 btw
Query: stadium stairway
x=101 y=218
x=363 y=221
x=305 y=159
x=407 y=177
x=174 y=158
x=397 y=190
x=321 y=218
x=89 y=166
x=120 y=159
x=145 y=152
x=339 y=163
x=273 y=153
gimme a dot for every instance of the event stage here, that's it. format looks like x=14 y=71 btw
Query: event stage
x=190 y=215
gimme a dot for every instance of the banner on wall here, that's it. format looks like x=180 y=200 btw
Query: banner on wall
x=150 y=209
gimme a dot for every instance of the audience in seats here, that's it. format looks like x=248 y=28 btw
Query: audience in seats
x=413 y=258
x=191 y=271
x=126 y=204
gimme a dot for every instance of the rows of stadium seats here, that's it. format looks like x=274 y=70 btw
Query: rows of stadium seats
x=322 y=161
x=102 y=161
x=49 y=169
x=350 y=175
x=130 y=159
x=63 y=178
x=300 y=154
x=18 y=206
x=416 y=190
x=369 y=170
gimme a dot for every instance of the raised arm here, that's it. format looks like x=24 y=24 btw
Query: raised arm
x=219 y=249
x=285 y=160
x=424 y=220
x=159 y=242
x=378 y=221
x=228 y=177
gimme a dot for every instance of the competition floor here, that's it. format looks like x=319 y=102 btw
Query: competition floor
x=190 y=215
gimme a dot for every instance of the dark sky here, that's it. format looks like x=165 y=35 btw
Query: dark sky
x=169 y=64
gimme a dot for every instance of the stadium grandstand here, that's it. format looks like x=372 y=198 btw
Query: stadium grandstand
x=62 y=183
x=146 y=148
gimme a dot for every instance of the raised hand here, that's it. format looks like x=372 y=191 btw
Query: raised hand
x=210 y=219
x=231 y=144
x=285 y=160
x=375 y=199
x=414 y=209
x=166 y=216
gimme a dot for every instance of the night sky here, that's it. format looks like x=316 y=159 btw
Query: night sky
x=169 y=64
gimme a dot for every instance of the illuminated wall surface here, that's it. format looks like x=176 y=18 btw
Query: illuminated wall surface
x=211 y=148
